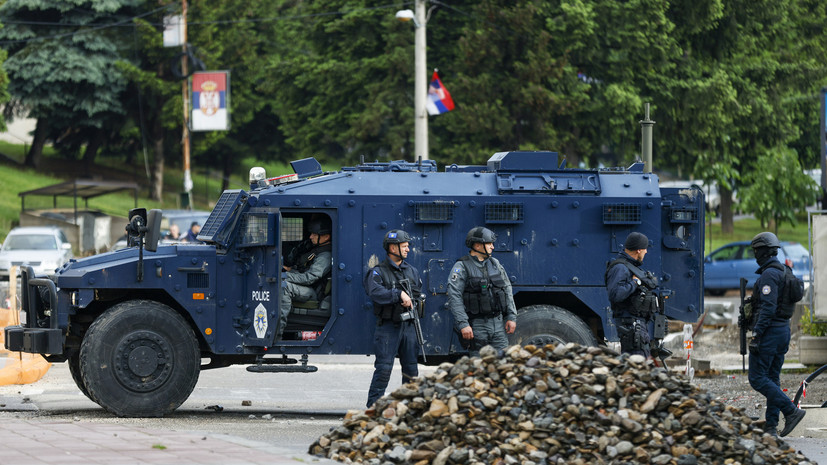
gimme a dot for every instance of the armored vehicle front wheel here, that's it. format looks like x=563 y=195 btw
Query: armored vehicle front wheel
x=140 y=359
x=74 y=368
x=549 y=324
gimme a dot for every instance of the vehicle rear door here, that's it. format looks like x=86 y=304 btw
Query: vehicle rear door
x=682 y=245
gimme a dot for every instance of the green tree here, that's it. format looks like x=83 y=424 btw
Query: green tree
x=738 y=80
x=339 y=80
x=777 y=188
x=61 y=64
x=239 y=38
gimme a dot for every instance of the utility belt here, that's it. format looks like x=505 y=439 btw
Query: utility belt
x=479 y=316
x=630 y=320
x=405 y=317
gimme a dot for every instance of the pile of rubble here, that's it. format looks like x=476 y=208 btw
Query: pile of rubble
x=551 y=405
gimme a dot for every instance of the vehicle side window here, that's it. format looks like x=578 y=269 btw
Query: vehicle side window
x=727 y=253
x=62 y=237
x=749 y=254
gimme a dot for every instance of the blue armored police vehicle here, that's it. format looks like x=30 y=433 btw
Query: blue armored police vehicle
x=135 y=324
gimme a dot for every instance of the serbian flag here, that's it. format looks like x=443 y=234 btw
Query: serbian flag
x=439 y=100
x=210 y=98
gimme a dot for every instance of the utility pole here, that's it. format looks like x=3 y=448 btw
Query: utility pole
x=186 y=199
x=823 y=137
x=421 y=82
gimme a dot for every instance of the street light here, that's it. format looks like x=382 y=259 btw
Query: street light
x=407 y=15
x=420 y=82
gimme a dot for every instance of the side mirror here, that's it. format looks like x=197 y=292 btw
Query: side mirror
x=153 y=230
x=708 y=260
x=136 y=226
x=66 y=246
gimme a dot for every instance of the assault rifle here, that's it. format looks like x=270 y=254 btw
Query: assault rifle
x=659 y=331
x=416 y=311
x=742 y=324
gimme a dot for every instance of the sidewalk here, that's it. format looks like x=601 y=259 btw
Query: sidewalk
x=63 y=442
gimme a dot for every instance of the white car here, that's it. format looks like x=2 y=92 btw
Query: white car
x=43 y=248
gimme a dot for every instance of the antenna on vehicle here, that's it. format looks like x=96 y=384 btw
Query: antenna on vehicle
x=646 y=140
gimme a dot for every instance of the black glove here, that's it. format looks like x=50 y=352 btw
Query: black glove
x=753 y=345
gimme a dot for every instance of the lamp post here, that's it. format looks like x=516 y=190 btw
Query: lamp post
x=421 y=78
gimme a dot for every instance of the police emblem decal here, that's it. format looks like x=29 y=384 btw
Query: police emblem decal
x=766 y=289
x=260 y=323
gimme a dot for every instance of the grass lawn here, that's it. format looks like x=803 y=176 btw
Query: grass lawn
x=745 y=229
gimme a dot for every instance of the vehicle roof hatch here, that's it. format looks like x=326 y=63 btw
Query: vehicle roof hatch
x=306 y=167
x=523 y=161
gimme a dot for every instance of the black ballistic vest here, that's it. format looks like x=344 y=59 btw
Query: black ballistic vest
x=484 y=294
x=390 y=278
x=639 y=304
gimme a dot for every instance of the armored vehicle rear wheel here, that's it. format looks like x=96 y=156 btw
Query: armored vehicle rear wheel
x=140 y=359
x=549 y=324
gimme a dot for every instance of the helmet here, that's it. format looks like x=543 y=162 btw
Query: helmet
x=319 y=227
x=395 y=236
x=765 y=239
x=481 y=235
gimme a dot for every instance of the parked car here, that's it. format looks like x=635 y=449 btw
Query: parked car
x=724 y=267
x=44 y=248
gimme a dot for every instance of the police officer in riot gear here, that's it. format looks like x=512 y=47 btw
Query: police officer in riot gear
x=307 y=269
x=630 y=294
x=771 y=336
x=395 y=332
x=480 y=296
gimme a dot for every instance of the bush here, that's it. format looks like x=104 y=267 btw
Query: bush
x=810 y=326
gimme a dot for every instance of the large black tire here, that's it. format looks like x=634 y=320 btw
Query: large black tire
x=140 y=359
x=548 y=324
x=74 y=369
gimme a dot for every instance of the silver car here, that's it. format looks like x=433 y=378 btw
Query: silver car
x=43 y=248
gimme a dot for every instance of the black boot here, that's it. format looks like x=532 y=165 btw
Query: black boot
x=791 y=421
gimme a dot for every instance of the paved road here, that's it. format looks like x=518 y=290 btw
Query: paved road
x=52 y=422
x=273 y=414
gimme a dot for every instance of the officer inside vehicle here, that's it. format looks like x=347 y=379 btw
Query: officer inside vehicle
x=395 y=334
x=307 y=269
x=192 y=233
x=770 y=336
x=479 y=294
x=630 y=294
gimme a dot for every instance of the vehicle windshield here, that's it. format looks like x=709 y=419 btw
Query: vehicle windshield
x=796 y=251
x=30 y=242
x=183 y=222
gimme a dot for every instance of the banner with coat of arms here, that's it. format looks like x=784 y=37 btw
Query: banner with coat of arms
x=210 y=97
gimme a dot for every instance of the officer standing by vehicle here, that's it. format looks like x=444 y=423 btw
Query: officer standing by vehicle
x=395 y=332
x=305 y=279
x=770 y=336
x=630 y=294
x=480 y=296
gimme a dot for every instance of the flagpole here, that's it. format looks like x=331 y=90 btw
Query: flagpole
x=421 y=83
